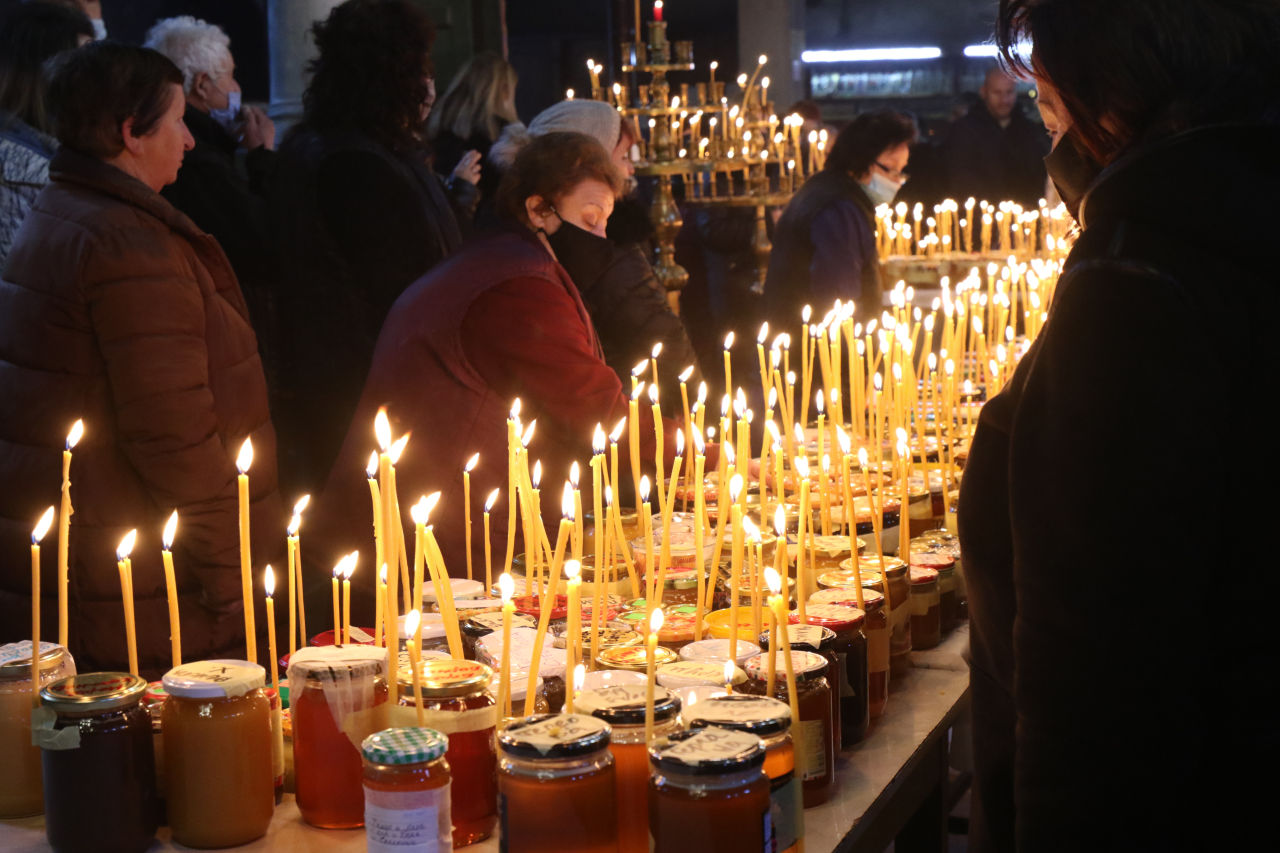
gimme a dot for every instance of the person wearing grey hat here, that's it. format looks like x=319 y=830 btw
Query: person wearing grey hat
x=628 y=306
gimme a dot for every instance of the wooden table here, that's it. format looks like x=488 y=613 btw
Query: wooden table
x=890 y=786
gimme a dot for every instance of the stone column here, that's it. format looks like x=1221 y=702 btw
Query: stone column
x=289 y=30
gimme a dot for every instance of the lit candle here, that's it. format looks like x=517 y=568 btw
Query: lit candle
x=699 y=528
x=646 y=531
x=506 y=586
x=390 y=610
x=729 y=671
x=466 y=507
x=779 y=608
x=579 y=676
x=735 y=558
x=653 y=361
x=578 y=522
x=37 y=534
x=780 y=553
x=337 y=606
x=598 y=534
x=64 y=530
x=728 y=374
x=547 y=600
x=651 y=647
x=171 y=587
x=346 y=596
x=126 y=592
x=711 y=92
x=488 y=546
x=657 y=11
x=412 y=624
x=513 y=453
x=573 y=637
x=658 y=454
x=269 y=585
x=688 y=419
x=379 y=605
x=296 y=597
x=634 y=434
x=375 y=495
x=804 y=525
x=875 y=523
x=243 y=461
x=761 y=337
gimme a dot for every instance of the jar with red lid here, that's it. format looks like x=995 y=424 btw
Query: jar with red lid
x=821 y=640
x=815 y=731
x=21 y=791
x=99 y=768
x=898 y=606
x=455 y=694
x=928 y=554
x=407 y=791
x=850 y=647
x=531 y=605
x=926 y=613
x=876 y=628
x=334 y=693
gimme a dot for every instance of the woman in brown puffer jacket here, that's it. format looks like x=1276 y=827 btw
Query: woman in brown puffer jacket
x=116 y=309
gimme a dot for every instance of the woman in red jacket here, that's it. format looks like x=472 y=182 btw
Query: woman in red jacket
x=116 y=309
x=500 y=320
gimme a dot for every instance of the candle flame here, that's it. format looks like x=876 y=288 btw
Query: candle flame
x=772 y=580
x=763 y=334
x=639 y=368
x=679 y=442
x=73 y=437
x=730 y=455
x=171 y=530
x=382 y=429
x=843 y=438
x=42 y=527
x=269 y=581
x=515 y=409
x=411 y=620
x=608 y=496
x=735 y=486
x=303 y=502
x=877 y=381
x=579 y=676
x=617 y=431
x=655 y=620
x=536 y=479
x=656 y=351
x=817 y=397
x=644 y=488
x=528 y=433
x=506 y=587
x=950 y=367
x=420 y=512
x=566 y=501
x=806 y=313
x=371 y=470
x=699 y=446
x=598 y=439
x=714 y=65
x=904 y=450
x=572 y=568
x=729 y=672
x=826 y=463
x=398 y=448
x=382 y=575
x=574 y=471
x=780 y=523
x=932 y=362
x=125 y=547
x=653 y=394
x=702 y=393
x=753 y=532
x=685 y=374
x=802 y=466
x=245 y=458
x=295 y=521
x=491 y=500
x=431 y=501
x=637 y=391
x=728 y=341
x=773 y=395
x=471 y=463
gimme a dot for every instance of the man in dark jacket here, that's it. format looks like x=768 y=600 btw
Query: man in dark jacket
x=994 y=152
x=221 y=194
x=1100 y=723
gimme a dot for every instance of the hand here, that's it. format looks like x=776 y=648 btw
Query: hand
x=468 y=168
x=258 y=130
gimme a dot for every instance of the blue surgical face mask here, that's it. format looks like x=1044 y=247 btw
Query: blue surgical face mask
x=881 y=189
x=229 y=116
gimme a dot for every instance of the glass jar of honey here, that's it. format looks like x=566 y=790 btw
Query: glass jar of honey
x=718 y=650
x=21 y=792
x=828 y=552
x=217 y=753
x=875 y=626
x=926 y=611
x=99 y=768
x=690 y=673
x=455 y=695
x=769 y=720
x=709 y=793
x=898 y=607
x=334 y=691
x=634 y=658
x=407 y=791
x=820 y=640
x=815 y=731
x=850 y=647
x=483 y=624
x=622 y=707
x=928 y=554
x=556 y=782
x=551 y=664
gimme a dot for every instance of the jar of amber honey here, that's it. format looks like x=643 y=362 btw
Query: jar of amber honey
x=815 y=730
x=926 y=611
x=622 y=707
x=20 y=786
x=556 y=781
x=816 y=637
x=335 y=692
x=217 y=753
x=407 y=791
x=709 y=793
x=457 y=702
x=769 y=720
x=99 y=768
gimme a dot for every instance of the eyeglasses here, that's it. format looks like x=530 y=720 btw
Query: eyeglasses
x=895 y=174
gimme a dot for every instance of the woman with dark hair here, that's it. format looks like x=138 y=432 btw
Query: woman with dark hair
x=116 y=309
x=824 y=245
x=502 y=319
x=29 y=35
x=359 y=215
x=1103 y=720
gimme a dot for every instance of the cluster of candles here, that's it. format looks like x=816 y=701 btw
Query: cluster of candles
x=1005 y=227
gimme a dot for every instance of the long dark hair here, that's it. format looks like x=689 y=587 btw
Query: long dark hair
x=370 y=74
x=866 y=137
x=29 y=34
x=1134 y=70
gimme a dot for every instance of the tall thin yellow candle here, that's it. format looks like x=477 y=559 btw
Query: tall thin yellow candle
x=506 y=586
x=413 y=625
x=699 y=529
x=295 y=574
x=634 y=435
x=658 y=449
x=337 y=605
x=390 y=617
x=651 y=647
x=513 y=452
x=728 y=370
x=547 y=601
x=64 y=530
x=375 y=495
x=243 y=461
x=37 y=534
x=573 y=635
x=735 y=561
x=598 y=536
x=346 y=600
x=578 y=521
x=466 y=507
x=126 y=591
x=488 y=546
x=171 y=588
x=269 y=585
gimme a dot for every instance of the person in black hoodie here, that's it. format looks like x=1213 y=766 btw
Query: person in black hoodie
x=1122 y=670
x=222 y=194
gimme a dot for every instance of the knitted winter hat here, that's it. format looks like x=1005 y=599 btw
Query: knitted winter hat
x=594 y=118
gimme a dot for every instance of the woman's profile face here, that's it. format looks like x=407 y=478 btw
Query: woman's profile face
x=588 y=206
x=1052 y=111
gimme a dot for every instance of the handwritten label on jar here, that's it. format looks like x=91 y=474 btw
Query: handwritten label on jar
x=712 y=744
x=493 y=621
x=212 y=678
x=691 y=673
x=408 y=820
x=806 y=635
x=740 y=708
x=618 y=696
x=560 y=729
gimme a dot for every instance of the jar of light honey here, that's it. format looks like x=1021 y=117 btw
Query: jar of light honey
x=407 y=791
x=217 y=755
x=20 y=783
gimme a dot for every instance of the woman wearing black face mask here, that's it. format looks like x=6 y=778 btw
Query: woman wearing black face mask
x=628 y=306
x=1100 y=720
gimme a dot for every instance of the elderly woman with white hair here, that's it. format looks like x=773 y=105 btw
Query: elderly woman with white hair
x=628 y=306
x=222 y=195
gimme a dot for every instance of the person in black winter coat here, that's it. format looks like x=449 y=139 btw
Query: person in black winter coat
x=1122 y=678
x=358 y=215
x=478 y=104
x=222 y=196
x=994 y=152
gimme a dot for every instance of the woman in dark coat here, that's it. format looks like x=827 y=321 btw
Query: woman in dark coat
x=359 y=215
x=1122 y=662
x=500 y=320
x=116 y=309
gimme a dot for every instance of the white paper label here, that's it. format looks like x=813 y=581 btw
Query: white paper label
x=399 y=821
x=815 y=755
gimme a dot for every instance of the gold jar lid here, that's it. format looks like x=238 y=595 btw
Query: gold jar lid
x=15 y=658
x=634 y=658
x=446 y=678
x=93 y=692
